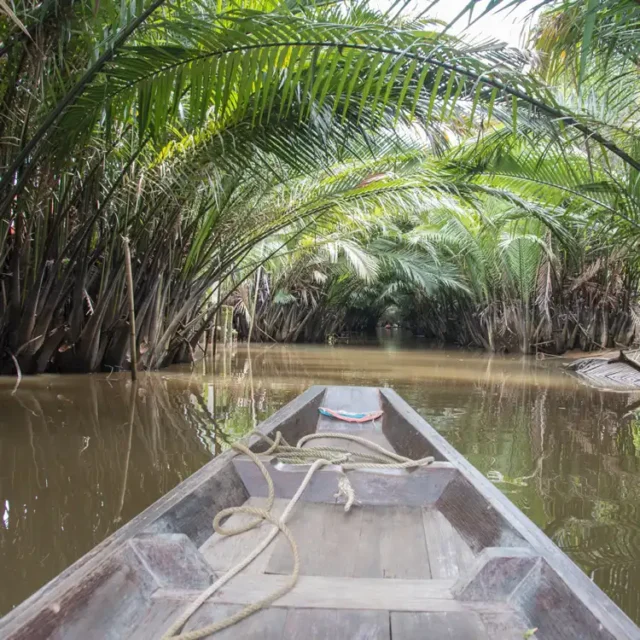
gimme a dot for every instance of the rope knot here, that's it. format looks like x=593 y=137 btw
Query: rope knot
x=345 y=490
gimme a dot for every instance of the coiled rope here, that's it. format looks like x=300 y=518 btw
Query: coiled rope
x=316 y=456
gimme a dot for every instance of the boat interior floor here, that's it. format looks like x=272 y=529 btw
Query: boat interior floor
x=376 y=572
x=379 y=571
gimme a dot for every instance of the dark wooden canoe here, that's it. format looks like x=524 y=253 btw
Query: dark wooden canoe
x=436 y=553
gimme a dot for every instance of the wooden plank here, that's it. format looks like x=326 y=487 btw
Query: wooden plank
x=327 y=624
x=327 y=539
x=337 y=550
x=443 y=626
x=449 y=554
x=321 y=592
x=318 y=624
x=173 y=560
x=550 y=605
x=505 y=626
x=157 y=619
x=369 y=559
x=480 y=524
x=355 y=399
x=400 y=537
x=417 y=488
x=496 y=574
x=223 y=552
x=363 y=625
x=266 y=624
x=384 y=542
x=306 y=525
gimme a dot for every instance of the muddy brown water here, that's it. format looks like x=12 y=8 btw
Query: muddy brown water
x=74 y=465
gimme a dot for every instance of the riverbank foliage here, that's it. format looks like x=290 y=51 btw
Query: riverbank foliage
x=320 y=167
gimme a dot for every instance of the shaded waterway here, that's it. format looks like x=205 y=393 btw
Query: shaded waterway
x=81 y=455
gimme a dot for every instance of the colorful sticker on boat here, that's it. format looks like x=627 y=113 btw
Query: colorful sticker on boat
x=348 y=416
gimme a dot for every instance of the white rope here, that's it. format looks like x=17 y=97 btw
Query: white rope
x=383 y=458
x=362 y=441
x=264 y=514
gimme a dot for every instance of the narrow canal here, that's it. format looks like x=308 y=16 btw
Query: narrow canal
x=81 y=455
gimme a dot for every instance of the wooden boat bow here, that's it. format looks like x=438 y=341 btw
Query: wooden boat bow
x=436 y=552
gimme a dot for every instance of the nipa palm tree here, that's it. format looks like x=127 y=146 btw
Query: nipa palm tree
x=165 y=123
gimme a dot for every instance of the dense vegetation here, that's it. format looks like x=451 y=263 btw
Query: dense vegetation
x=319 y=166
x=534 y=246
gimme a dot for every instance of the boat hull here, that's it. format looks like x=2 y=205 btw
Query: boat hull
x=434 y=550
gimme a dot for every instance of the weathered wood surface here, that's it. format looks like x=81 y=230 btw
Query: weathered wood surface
x=444 y=626
x=480 y=524
x=267 y=624
x=279 y=623
x=604 y=373
x=496 y=574
x=449 y=554
x=389 y=487
x=329 y=541
x=505 y=626
x=566 y=617
x=157 y=618
x=371 y=542
x=323 y=592
x=396 y=536
x=368 y=542
x=173 y=560
x=332 y=624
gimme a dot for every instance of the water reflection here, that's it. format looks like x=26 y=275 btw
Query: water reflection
x=80 y=455
x=567 y=458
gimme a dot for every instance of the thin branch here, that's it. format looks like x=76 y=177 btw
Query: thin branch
x=18 y=373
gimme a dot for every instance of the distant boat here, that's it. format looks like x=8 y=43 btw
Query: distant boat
x=619 y=373
x=430 y=552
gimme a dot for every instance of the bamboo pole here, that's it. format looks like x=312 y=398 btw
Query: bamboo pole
x=125 y=477
x=132 y=313
x=228 y=325
x=255 y=304
x=216 y=319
